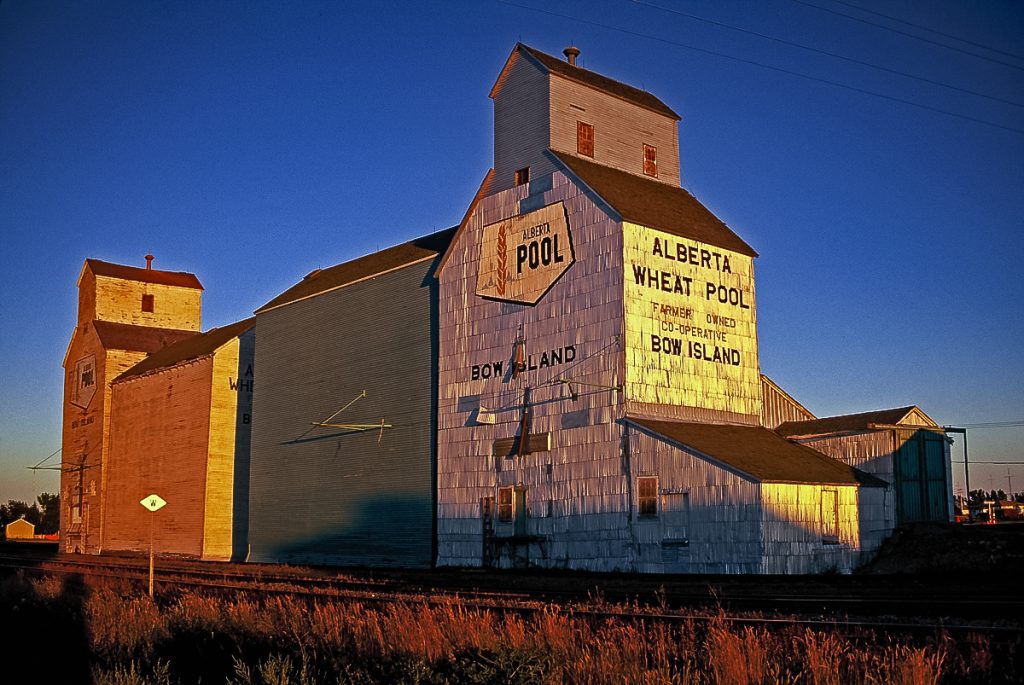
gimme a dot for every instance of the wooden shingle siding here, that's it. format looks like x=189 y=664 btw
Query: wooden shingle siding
x=621 y=129
x=327 y=495
x=724 y=533
x=583 y=488
x=872 y=452
x=521 y=124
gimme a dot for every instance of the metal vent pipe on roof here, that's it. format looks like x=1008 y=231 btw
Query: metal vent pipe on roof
x=571 y=53
x=149 y=262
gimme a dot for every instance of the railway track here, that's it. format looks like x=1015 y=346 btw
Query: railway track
x=741 y=601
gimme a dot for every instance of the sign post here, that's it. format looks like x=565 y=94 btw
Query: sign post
x=153 y=503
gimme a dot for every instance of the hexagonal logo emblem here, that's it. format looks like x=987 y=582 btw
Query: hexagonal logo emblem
x=83 y=381
x=522 y=257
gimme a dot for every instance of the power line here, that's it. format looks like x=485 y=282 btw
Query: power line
x=852 y=60
x=929 y=30
x=904 y=33
x=999 y=463
x=993 y=424
x=763 y=66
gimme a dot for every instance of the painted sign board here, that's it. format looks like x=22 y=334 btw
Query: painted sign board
x=83 y=382
x=691 y=323
x=522 y=257
x=153 y=502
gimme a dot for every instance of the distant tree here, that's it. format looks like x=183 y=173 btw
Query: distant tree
x=16 y=509
x=49 y=519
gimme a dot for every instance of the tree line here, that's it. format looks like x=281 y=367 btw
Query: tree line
x=44 y=513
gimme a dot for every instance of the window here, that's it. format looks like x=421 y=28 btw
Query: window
x=650 y=160
x=830 y=517
x=584 y=139
x=76 y=514
x=647 y=496
x=505 y=505
x=147 y=303
x=522 y=176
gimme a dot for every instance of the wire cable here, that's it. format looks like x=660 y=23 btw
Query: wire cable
x=929 y=30
x=765 y=66
x=908 y=35
x=852 y=60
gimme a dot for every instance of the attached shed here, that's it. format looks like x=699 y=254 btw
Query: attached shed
x=741 y=499
x=902 y=446
x=344 y=446
x=20 y=530
x=179 y=428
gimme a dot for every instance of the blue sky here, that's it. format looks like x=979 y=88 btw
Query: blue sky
x=252 y=142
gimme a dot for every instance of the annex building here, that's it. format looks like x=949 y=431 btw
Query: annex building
x=569 y=378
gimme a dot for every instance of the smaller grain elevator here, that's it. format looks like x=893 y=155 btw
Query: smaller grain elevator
x=179 y=427
x=124 y=314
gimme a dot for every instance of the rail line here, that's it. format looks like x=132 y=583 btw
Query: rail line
x=700 y=602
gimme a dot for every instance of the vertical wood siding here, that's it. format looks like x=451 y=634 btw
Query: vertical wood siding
x=777 y=407
x=620 y=129
x=327 y=495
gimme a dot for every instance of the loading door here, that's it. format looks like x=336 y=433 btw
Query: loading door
x=921 y=477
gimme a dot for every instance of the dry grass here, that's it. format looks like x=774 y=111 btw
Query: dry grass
x=187 y=637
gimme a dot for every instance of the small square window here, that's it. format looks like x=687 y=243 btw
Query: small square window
x=147 y=303
x=505 y=505
x=522 y=176
x=584 y=139
x=650 y=160
x=647 y=496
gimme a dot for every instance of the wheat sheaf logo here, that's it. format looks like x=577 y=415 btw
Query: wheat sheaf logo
x=502 y=260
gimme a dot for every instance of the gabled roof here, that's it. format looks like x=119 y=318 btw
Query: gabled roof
x=760 y=453
x=122 y=336
x=589 y=78
x=655 y=204
x=375 y=264
x=847 y=423
x=481 y=192
x=182 y=279
x=194 y=347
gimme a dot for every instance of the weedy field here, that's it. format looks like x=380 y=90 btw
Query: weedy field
x=67 y=631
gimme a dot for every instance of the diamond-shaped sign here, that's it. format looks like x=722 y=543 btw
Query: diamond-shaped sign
x=153 y=502
x=522 y=257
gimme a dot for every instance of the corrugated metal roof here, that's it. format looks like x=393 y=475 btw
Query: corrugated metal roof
x=322 y=280
x=655 y=204
x=759 y=452
x=122 y=336
x=182 y=279
x=844 y=423
x=598 y=81
x=188 y=349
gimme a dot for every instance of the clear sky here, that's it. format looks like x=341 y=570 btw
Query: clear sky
x=250 y=142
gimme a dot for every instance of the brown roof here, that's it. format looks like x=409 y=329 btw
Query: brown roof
x=194 y=347
x=655 y=204
x=181 y=279
x=760 y=453
x=844 y=423
x=122 y=336
x=322 y=280
x=595 y=80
